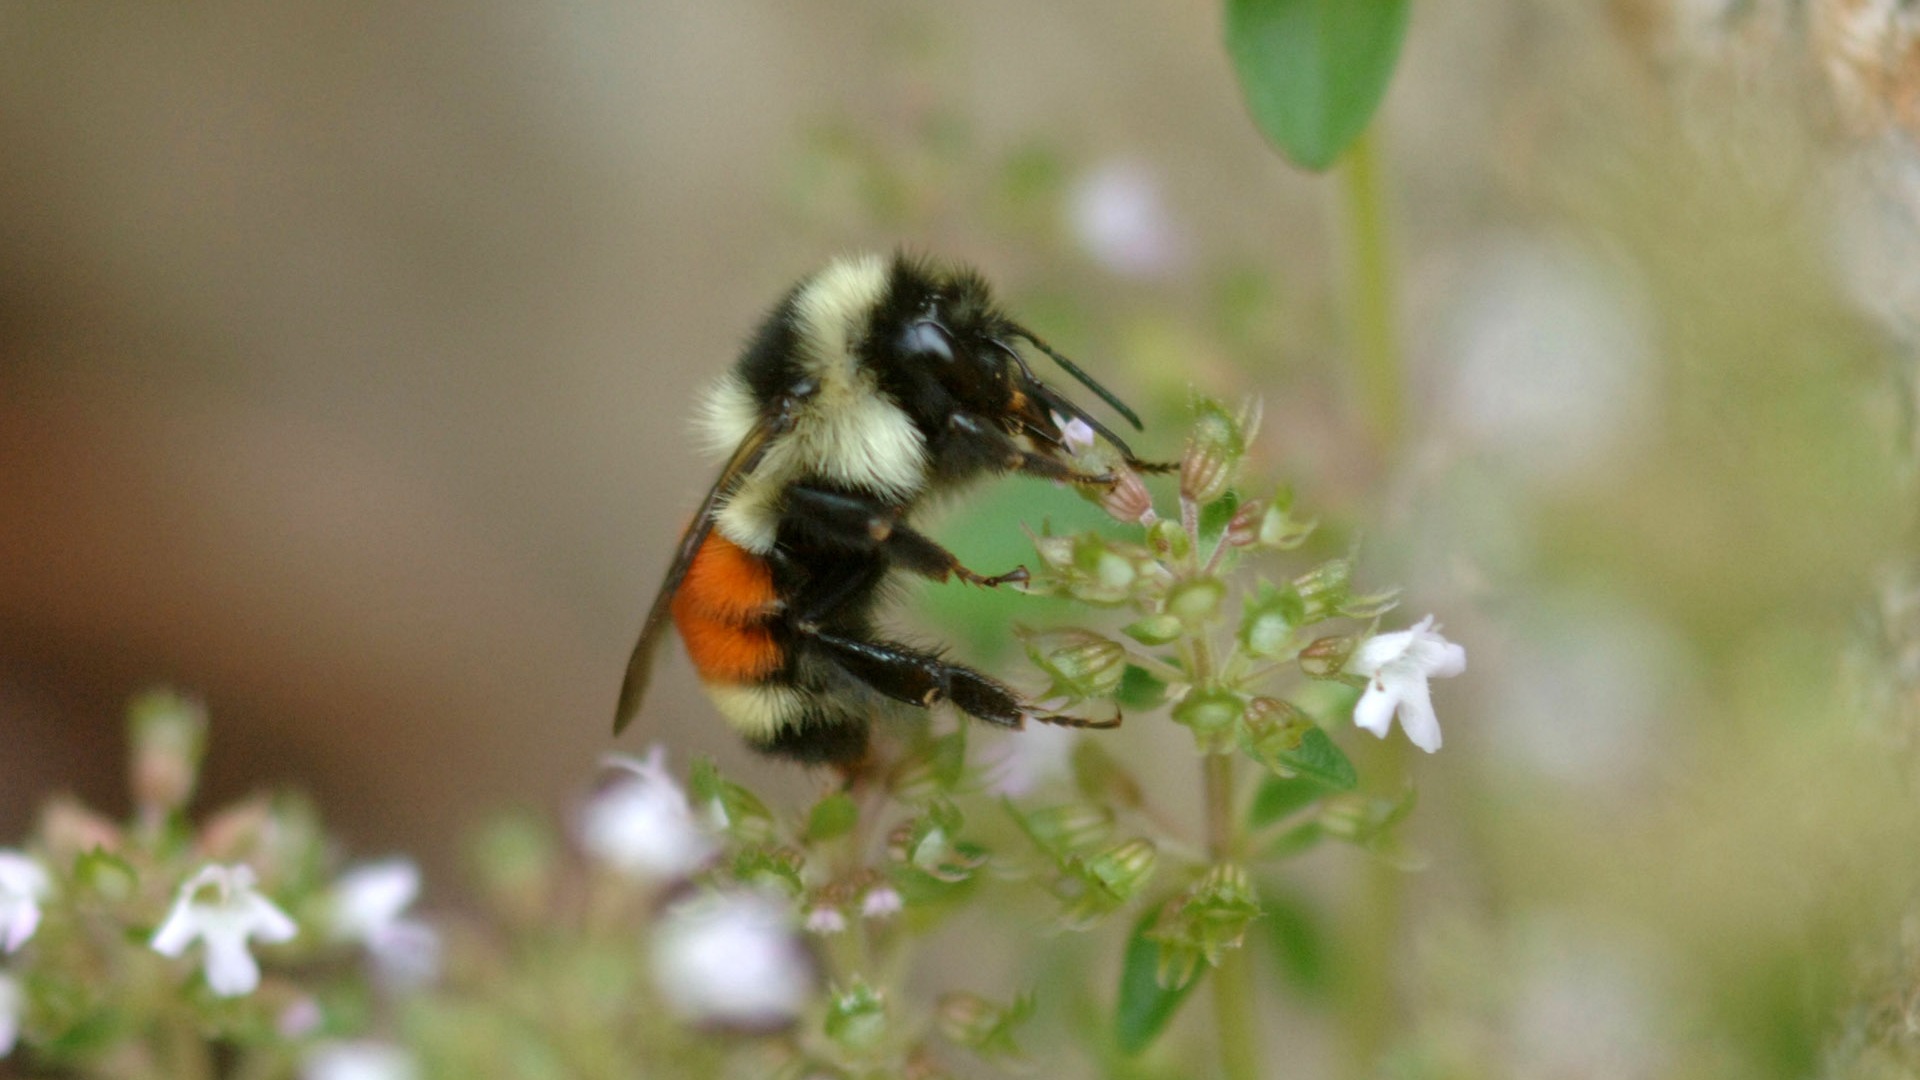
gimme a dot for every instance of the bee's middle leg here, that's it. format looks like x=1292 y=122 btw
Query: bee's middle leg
x=858 y=522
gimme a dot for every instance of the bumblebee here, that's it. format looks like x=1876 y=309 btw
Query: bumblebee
x=872 y=386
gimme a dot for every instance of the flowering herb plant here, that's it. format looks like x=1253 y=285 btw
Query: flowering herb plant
x=691 y=928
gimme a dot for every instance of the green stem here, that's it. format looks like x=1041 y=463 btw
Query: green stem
x=1232 y=979
x=1371 y=295
x=1367 y=1013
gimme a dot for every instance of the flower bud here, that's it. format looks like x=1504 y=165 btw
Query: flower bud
x=1243 y=528
x=980 y=1025
x=1122 y=871
x=1212 y=715
x=69 y=829
x=1278 y=529
x=1213 y=453
x=1081 y=663
x=857 y=1019
x=1324 y=589
x=1127 y=499
x=1195 y=602
x=1054 y=551
x=1154 y=629
x=169 y=735
x=1327 y=657
x=1063 y=830
x=1268 y=622
x=1169 y=540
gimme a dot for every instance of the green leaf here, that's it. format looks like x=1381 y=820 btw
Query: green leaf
x=1139 y=689
x=1144 y=1008
x=1297 y=939
x=833 y=816
x=1280 y=796
x=1317 y=758
x=1314 y=71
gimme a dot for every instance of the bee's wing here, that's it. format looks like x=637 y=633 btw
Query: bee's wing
x=640 y=666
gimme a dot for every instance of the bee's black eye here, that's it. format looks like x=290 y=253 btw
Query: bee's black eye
x=929 y=340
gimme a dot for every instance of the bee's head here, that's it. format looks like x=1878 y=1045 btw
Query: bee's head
x=939 y=346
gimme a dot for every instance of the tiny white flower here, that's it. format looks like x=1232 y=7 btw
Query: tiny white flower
x=23 y=884
x=1397 y=667
x=1076 y=433
x=369 y=903
x=826 y=920
x=880 y=902
x=220 y=906
x=732 y=959
x=13 y=1003
x=642 y=825
x=359 y=1060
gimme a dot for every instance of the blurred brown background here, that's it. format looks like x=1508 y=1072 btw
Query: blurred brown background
x=346 y=351
x=346 y=354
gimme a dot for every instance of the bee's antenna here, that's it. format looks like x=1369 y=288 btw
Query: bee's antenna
x=1073 y=369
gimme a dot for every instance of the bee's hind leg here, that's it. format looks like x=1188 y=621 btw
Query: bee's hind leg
x=920 y=678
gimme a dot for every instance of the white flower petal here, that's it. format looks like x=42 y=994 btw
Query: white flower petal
x=1417 y=718
x=642 y=825
x=13 y=1003
x=1375 y=710
x=19 y=919
x=371 y=897
x=732 y=959
x=1378 y=651
x=231 y=969
x=177 y=932
x=361 y=1060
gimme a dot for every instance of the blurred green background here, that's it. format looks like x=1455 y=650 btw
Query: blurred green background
x=346 y=353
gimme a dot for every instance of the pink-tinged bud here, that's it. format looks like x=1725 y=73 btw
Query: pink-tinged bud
x=69 y=829
x=1243 y=528
x=235 y=833
x=1213 y=453
x=1327 y=657
x=169 y=735
x=1128 y=499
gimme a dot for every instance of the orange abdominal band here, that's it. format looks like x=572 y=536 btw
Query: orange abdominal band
x=721 y=610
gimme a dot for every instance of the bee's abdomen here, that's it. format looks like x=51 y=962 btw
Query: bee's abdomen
x=724 y=609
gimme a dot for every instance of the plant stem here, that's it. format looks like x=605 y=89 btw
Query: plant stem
x=1232 y=979
x=1366 y=1001
x=1371 y=296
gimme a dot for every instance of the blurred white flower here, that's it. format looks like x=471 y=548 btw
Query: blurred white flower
x=301 y=1018
x=732 y=959
x=220 y=906
x=641 y=824
x=359 y=1060
x=13 y=1004
x=1025 y=760
x=368 y=905
x=825 y=920
x=1119 y=217
x=1550 y=353
x=23 y=884
x=880 y=902
x=1606 y=672
x=1397 y=667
